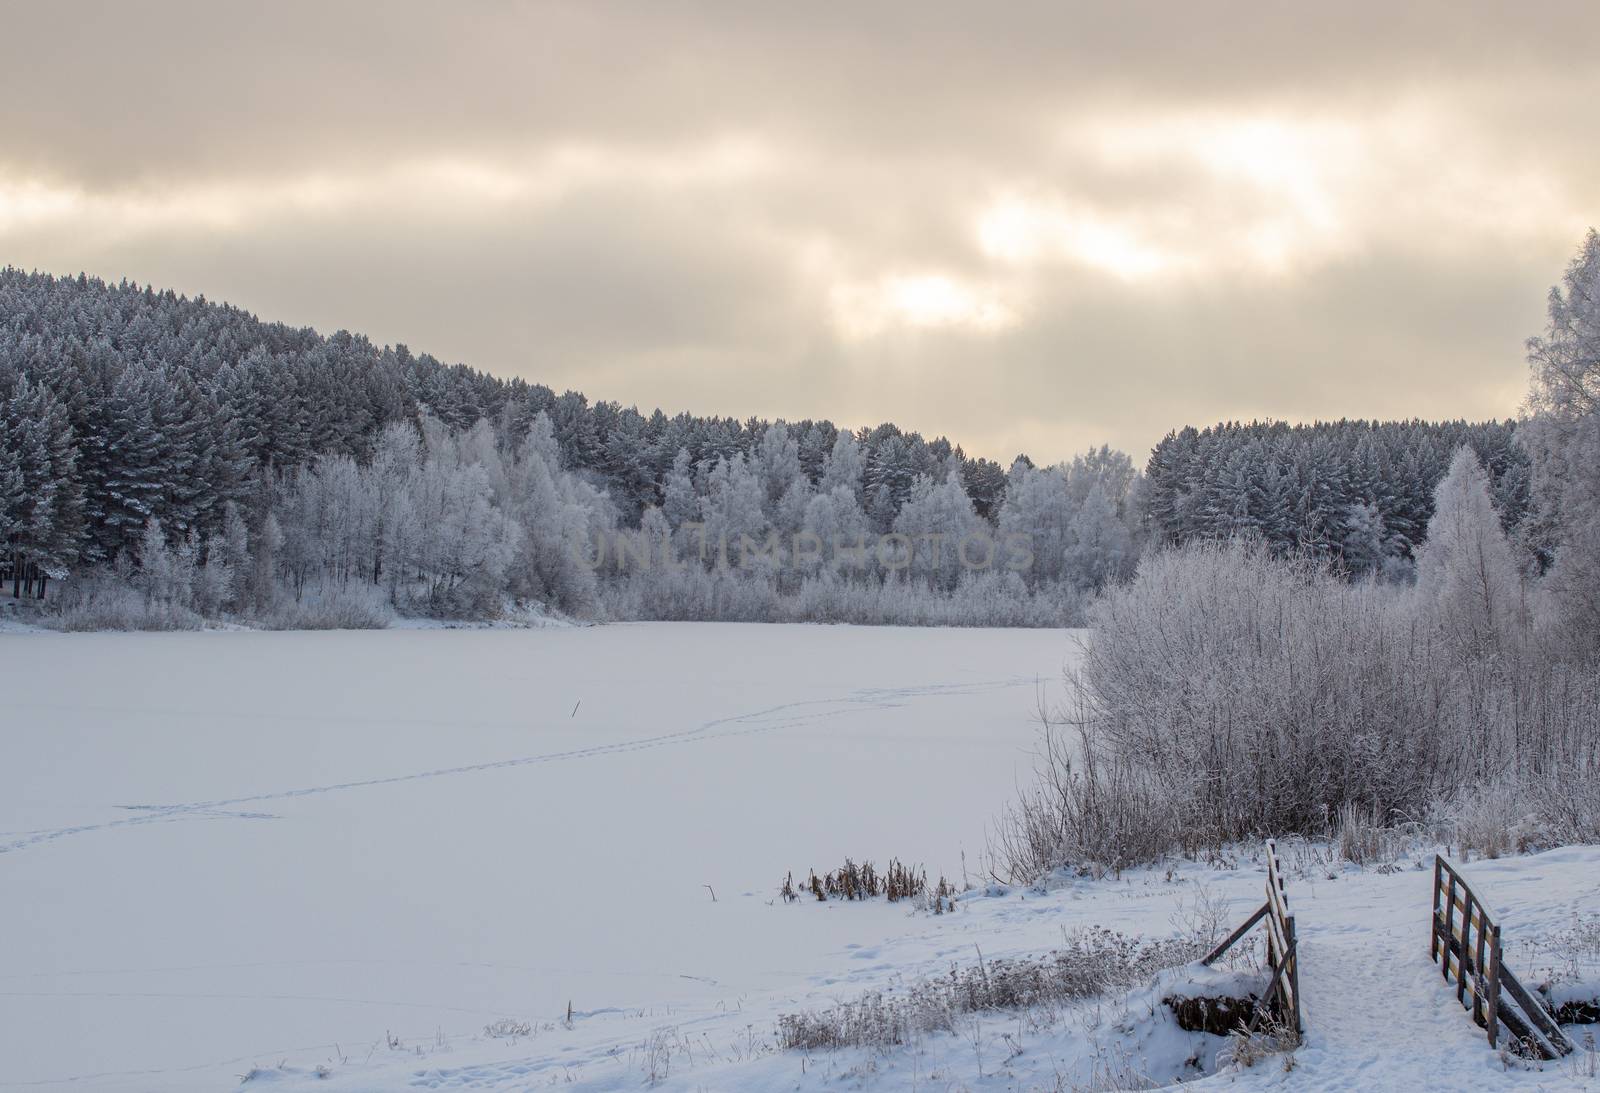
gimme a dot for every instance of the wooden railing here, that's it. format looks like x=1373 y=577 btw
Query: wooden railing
x=1465 y=942
x=1282 y=999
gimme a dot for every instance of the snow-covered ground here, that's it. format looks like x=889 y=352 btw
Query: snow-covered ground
x=225 y=849
x=256 y=855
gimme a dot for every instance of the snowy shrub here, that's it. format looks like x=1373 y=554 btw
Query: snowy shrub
x=1518 y=815
x=1093 y=962
x=1089 y=809
x=1482 y=820
x=1258 y=693
x=107 y=602
x=332 y=607
x=1228 y=694
x=1363 y=836
x=730 y=594
x=1566 y=808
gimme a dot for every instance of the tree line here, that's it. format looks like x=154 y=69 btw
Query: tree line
x=1357 y=493
x=143 y=432
x=158 y=440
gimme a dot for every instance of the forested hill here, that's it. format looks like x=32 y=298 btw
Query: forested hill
x=123 y=403
x=131 y=418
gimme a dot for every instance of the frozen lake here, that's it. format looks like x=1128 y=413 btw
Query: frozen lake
x=224 y=849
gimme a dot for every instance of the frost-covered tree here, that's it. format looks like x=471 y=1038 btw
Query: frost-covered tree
x=844 y=467
x=789 y=514
x=1039 y=509
x=45 y=497
x=777 y=462
x=1468 y=585
x=163 y=572
x=134 y=484
x=1564 y=435
x=733 y=512
x=11 y=487
x=839 y=532
x=939 y=520
x=1101 y=548
x=679 y=505
x=213 y=581
x=1363 y=550
x=563 y=527
x=233 y=551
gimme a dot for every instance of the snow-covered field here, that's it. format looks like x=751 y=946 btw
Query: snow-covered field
x=227 y=849
x=256 y=855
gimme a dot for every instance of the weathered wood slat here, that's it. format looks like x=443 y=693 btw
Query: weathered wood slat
x=1232 y=939
x=1534 y=1010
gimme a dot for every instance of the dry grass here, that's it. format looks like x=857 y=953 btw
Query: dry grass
x=1091 y=963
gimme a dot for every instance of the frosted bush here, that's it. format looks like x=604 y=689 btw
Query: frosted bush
x=334 y=607
x=96 y=602
x=1229 y=694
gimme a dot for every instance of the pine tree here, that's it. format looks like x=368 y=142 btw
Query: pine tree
x=12 y=490
x=134 y=486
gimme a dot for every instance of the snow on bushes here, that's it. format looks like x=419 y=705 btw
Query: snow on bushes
x=1228 y=694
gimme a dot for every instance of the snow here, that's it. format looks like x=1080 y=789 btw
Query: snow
x=236 y=848
x=258 y=854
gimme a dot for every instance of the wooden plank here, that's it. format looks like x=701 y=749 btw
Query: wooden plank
x=1534 y=1010
x=1276 y=932
x=1232 y=939
x=1511 y=1018
x=1279 y=905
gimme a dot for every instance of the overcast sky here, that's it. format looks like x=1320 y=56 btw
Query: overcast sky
x=1029 y=227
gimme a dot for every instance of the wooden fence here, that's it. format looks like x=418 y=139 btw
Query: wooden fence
x=1282 y=999
x=1466 y=943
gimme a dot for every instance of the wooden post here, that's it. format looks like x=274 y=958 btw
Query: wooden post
x=1432 y=925
x=1480 y=981
x=1446 y=925
x=1492 y=979
x=1294 y=975
x=1461 y=956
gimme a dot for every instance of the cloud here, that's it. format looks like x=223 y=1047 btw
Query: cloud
x=1043 y=227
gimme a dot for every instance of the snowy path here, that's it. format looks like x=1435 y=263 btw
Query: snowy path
x=1378 y=1012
